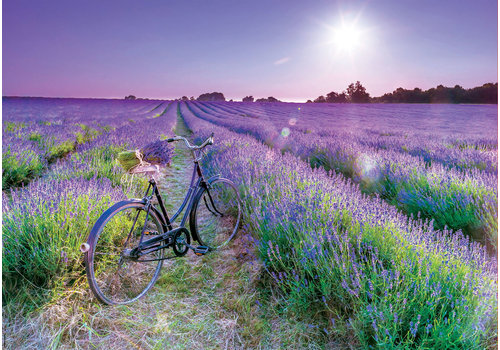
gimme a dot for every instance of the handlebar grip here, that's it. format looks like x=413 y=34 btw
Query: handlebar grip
x=170 y=140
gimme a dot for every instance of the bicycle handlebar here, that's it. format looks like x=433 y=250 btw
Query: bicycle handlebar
x=208 y=141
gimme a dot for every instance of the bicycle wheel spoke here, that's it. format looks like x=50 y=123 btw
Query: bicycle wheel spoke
x=217 y=214
x=116 y=278
x=132 y=228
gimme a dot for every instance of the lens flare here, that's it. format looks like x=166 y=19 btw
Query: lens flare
x=367 y=168
x=285 y=132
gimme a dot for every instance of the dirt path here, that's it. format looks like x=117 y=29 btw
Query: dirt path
x=203 y=302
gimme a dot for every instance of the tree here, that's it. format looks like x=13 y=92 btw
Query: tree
x=441 y=95
x=213 y=96
x=488 y=93
x=130 y=97
x=357 y=93
x=184 y=98
x=342 y=98
x=269 y=99
x=333 y=97
x=248 y=99
x=320 y=99
x=309 y=101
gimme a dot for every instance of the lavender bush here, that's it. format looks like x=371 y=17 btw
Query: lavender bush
x=351 y=263
x=37 y=132
x=43 y=227
x=355 y=260
x=45 y=222
x=412 y=179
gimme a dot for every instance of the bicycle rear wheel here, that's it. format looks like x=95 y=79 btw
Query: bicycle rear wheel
x=115 y=277
x=216 y=214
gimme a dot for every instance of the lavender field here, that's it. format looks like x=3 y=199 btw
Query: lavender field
x=376 y=222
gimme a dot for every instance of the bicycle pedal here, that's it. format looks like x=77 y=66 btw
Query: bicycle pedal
x=201 y=250
x=150 y=232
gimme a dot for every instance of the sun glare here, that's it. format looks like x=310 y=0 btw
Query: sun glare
x=347 y=37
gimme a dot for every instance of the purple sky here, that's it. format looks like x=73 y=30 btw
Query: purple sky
x=285 y=49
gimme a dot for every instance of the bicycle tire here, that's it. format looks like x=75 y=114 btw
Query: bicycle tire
x=216 y=214
x=112 y=278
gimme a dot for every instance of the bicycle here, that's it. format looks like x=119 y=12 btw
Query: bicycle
x=125 y=249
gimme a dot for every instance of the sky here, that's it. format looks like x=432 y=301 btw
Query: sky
x=292 y=50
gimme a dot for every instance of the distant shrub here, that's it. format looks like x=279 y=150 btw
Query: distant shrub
x=248 y=99
x=269 y=99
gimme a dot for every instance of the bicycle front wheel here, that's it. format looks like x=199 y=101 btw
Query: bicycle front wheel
x=216 y=214
x=114 y=276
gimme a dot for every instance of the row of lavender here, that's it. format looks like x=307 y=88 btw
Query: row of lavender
x=354 y=262
x=45 y=222
x=39 y=131
x=453 y=182
x=449 y=134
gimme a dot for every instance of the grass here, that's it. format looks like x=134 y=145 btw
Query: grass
x=455 y=204
x=22 y=166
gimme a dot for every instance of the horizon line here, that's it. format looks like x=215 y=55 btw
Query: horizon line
x=289 y=100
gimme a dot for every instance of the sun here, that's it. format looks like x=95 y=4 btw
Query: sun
x=347 y=37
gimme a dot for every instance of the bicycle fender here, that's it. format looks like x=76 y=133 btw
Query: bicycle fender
x=213 y=178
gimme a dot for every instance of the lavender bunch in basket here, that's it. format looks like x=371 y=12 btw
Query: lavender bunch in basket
x=157 y=153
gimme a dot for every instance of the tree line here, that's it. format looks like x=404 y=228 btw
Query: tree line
x=487 y=93
x=356 y=93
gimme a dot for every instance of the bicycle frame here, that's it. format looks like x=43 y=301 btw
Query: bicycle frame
x=197 y=181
